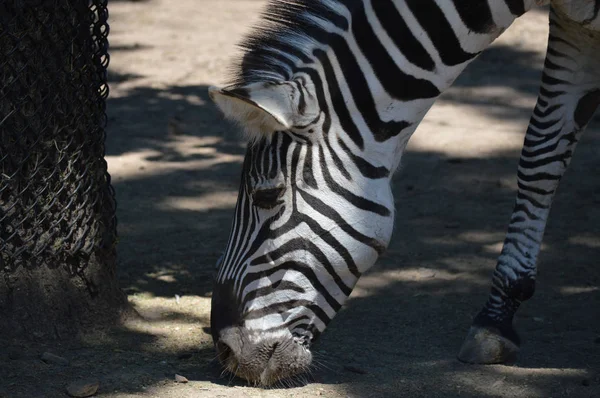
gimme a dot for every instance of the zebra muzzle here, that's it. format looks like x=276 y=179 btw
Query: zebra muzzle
x=261 y=357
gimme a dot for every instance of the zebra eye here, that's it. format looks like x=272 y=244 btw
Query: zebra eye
x=268 y=198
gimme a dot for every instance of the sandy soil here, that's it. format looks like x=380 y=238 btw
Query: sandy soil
x=175 y=167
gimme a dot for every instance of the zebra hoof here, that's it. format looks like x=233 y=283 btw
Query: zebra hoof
x=486 y=346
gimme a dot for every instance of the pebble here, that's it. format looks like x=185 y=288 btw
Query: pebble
x=83 y=388
x=181 y=379
x=585 y=382
x=354 y=369
x=55 y=359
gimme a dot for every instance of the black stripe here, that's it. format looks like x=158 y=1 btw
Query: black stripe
x=518 y=246
x=355 y=200
x=246 y=243
x=476 y=15
x=396 y=82
x=301 y=268
x=279 y=308
x=361 y=94
x=515 y=219
x=301 y=99
x=543 y=125
x=332 y=241
x=541 y=151
x=548 y=64
x=539 y=191
x=542 y=114
x=400 y=33
x=537 y=177
x=274 y=166
x=555 y=53
x=336 y=159
x=365 y=168
x=549 y=80
x=571 y=138
x=546 y=137
x=307 y=125
x=333 y=215
x=555 y=39
x=433 y=20
x=304 y=244
x=535 y=203
x=307 y=171
x=521 y=207
x=516 y=7
x=274 y=287
x=288 y=323
x=338 y=102
x=264 y=155
x=322 y=233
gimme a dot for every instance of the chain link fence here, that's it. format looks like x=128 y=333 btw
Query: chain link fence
x=57 y=206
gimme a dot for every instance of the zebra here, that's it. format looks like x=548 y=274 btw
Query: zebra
x=328 y=94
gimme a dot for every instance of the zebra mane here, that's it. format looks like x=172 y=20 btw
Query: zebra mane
x=284 y=32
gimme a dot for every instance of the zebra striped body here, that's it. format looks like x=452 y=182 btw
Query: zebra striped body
x=329 y=93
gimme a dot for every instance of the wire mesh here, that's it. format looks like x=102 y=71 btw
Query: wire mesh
x=56 y=203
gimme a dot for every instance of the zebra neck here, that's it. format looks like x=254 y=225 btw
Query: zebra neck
x=396 y=58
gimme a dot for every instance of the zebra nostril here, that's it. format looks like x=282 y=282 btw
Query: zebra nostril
x=224 y=352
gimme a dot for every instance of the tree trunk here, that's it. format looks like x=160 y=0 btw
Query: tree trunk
x=57 y=207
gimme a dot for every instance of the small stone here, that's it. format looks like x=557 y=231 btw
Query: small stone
x=54 y=359
x=181 y=379
x=585 y=382
x=83 y=388
x=354 y=369
x=538 y=319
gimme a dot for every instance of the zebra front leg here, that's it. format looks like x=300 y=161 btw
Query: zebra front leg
x=569 y=95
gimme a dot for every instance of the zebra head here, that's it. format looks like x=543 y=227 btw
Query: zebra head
x=314 y=211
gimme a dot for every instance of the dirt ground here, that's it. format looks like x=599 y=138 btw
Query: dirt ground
x=175 y=166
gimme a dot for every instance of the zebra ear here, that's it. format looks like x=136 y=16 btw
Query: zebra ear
x=260 y=108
